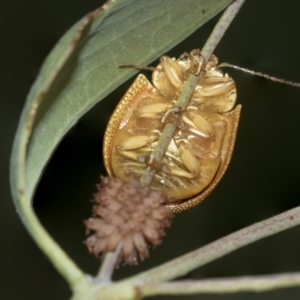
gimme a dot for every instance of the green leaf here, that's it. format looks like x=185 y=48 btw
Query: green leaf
x=120 y=32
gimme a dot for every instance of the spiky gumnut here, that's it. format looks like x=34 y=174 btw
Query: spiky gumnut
x=126 y=213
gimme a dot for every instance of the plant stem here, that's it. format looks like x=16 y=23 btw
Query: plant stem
x=220 y=286
x=62 y=262
x=108 y=265
x=220 y=28
x=195 y=259
x=189 y=87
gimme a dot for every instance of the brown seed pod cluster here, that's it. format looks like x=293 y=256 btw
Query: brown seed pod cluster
x=125 y=212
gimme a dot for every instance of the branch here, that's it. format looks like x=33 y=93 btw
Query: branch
x=221 y=286
x=220 y=28
x=61 y=261
x=195 y=259
x=108 y=265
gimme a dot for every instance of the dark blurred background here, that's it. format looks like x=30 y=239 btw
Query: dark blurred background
x=262 y=180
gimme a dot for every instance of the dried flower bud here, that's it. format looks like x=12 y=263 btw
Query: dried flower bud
x=125 y=212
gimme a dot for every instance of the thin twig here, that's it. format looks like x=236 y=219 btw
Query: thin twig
x=108 y=265
x=195 y=259
x=61 y=261
x=221 y=28
x=260 y=283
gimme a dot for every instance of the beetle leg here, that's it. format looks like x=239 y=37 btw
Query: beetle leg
x=172 y=71
x=172 y=115
x=205 y=141
x=154 y=132
x=197 y=61
x=216 y=79
x=189 y=160
x=191 y=108
x=152 y=110
x=205 y=168
x=153 y=164
x=132 y=155
x=214 y=89
x=181 y=173
x=204 y=127
x=135 y=142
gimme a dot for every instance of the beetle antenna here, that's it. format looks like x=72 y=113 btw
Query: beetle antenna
x=259 y=74
x=137 y=67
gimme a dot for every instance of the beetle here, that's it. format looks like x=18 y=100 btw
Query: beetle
x=202 y=145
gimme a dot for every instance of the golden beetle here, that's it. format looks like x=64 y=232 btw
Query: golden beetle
x=200 y=150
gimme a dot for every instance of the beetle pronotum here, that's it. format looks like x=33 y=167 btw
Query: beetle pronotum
x=201 y=148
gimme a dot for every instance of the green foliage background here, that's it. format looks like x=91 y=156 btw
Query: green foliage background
x=262 y=179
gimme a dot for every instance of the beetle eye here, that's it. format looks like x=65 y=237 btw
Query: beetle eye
x=184 y=57
x=220 y=70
